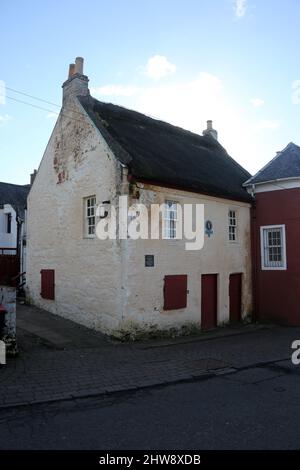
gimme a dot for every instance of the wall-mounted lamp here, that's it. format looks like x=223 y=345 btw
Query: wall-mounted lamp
x=103 y=209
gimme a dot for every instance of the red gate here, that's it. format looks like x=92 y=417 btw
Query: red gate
x=9 y=266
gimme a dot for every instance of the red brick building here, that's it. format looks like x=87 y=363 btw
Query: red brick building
x=276 y=237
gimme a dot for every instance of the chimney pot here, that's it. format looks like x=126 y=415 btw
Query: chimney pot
x=76 y=84
x=71 y=70
x=79 y=65
x=209 y=130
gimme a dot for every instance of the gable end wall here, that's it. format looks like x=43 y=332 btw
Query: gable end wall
x=77 y=163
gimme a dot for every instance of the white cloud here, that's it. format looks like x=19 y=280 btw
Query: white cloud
x=296 y=92
x=114 y=90
x=158 y=67
x=184 y=103
x=257 y=102
x=240 y=7
x=189 y=104
x=268 y=124
x=4 y=118
x=51 y=115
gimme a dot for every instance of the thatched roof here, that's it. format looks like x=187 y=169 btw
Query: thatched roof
x=158 y=152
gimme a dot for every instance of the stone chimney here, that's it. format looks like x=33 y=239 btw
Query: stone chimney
x=32 y=177
x=77 y=83
x=210 y=131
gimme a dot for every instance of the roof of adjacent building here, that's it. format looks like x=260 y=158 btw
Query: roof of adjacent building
x=158 y=152
x=15 y=195
x=286 y=164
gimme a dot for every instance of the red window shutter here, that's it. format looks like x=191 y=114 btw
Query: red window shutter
x=175 y=292
x=47 y=284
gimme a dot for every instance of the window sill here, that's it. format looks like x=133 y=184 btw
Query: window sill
x=284 y=268
x=172 y=241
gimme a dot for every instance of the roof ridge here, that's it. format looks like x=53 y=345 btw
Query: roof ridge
x=156 y=120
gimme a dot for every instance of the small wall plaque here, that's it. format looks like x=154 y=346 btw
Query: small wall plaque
x=209 y=228
x=149 y=261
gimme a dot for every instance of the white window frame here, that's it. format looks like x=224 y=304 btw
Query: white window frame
x=231 y=225
x=168 y=227
x=265 y=267
x=89 y=215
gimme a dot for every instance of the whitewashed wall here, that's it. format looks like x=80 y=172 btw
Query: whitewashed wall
x=8 y=240
x=77 y=163
x=143 y=291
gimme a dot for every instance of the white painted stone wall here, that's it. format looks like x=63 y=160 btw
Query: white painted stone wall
x=143 y=289
x=8 y=240
x=77 y=163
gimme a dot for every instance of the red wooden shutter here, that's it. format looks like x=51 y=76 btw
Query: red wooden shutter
x=47 y=284
x=175 y=292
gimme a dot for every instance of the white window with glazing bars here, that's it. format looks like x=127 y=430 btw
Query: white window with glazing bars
x=232 y=225
x=273 y=247
x=90 y=216
x=170 y=220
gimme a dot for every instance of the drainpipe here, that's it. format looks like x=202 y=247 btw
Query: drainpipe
x=19 y=223
x=254 y=259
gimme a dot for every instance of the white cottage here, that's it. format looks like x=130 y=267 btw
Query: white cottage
x=98 y=152
x=13 y=201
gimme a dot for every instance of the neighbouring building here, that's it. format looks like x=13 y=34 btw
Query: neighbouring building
x=99 y=151
x=13 y=202
x=275 y=236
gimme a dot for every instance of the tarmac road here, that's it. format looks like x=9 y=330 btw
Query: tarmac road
x=257 y=408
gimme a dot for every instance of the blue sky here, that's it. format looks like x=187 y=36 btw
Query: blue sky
x=233 y=61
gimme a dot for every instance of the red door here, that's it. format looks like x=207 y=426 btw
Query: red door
x=209 y=285
x=235 y=297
